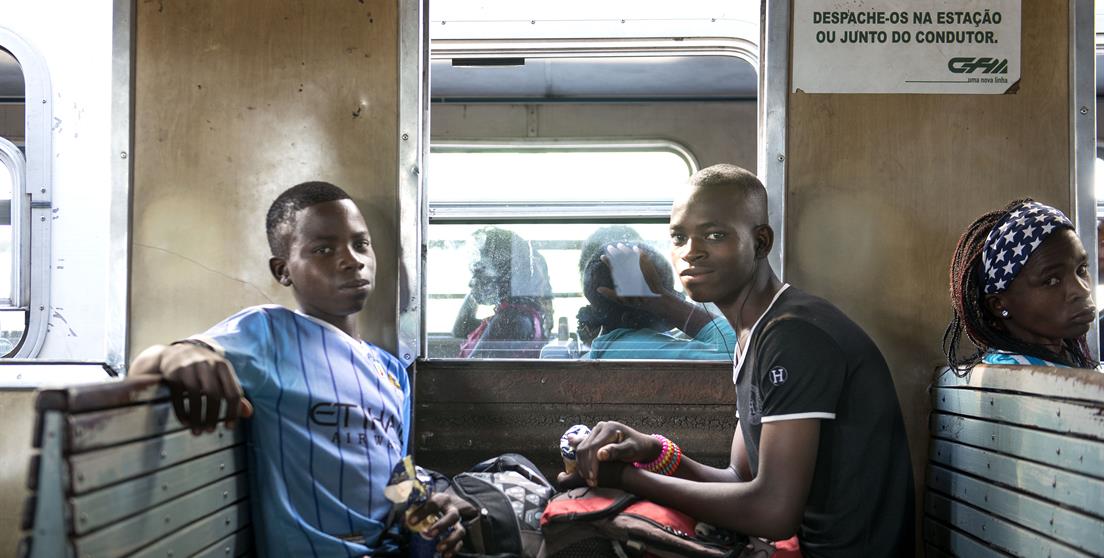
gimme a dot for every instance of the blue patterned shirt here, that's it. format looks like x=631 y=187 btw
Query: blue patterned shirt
x=331 y=419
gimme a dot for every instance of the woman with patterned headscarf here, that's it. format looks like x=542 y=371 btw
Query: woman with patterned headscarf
x=1021 y=291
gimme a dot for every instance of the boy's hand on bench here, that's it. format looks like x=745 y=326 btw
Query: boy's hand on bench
x=608 y=443
x=452 y=509
x=195 y=375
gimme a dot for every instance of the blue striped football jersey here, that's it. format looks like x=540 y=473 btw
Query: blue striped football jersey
x=331 y=418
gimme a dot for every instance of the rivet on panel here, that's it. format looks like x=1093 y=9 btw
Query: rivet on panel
x=123 y=155
x=1084 y=110
x=225 y=494
x=781 y=157
x=405 y=137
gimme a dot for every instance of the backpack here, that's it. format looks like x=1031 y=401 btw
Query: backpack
x=510 y=494
x=606 y=523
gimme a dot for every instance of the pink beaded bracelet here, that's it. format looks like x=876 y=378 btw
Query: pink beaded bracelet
x=668 y=460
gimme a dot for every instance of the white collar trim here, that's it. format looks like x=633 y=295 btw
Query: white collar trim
x=741 y=352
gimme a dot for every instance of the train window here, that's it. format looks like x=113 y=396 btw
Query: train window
x=510 y=238
x=13 y=234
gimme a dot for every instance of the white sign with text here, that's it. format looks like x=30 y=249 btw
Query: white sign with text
x=906 y=46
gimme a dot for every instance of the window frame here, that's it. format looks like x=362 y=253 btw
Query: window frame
x=766 y=51
x=35 y=199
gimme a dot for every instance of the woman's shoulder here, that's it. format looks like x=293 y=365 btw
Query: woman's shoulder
x=998 y=356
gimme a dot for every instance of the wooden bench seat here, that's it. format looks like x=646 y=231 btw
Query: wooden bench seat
x=117 y=474
x=1016 y=464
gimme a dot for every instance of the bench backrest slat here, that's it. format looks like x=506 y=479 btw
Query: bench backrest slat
x=951 y=542
x=128 y=535
x=1067 y=417
x=1072 y=454
x=198 y=535
x=1079 y=530
x=90 y=397
x=1061 y=487
x=996 y=531
x=238 y=543
x=110 y=465
x=1062 y=383
x=102 y=507
x=108 y=427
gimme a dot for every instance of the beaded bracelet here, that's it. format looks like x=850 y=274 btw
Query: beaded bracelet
x=668 y=460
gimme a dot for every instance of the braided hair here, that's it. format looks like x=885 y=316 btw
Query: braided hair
x=970 y=314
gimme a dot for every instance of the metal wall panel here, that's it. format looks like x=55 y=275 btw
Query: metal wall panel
x=468 y=411
x=235 y=102
x=893 y=180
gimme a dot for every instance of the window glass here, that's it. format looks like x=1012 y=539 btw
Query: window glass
x=462 y=174
x=7 y=181
x=527 y=286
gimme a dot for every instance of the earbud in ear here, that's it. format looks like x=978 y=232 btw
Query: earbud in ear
x=1004 y=313
x=285 y=280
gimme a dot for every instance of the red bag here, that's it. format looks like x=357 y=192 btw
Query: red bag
x=601 y=522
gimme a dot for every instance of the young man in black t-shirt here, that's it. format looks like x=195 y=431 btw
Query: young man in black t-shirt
x=821 y=449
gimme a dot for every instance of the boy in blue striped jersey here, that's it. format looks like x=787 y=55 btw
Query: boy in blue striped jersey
x=330 y=412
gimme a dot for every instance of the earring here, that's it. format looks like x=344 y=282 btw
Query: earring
x=1004 y=313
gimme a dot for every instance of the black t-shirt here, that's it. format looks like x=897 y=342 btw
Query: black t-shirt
x=806 y=359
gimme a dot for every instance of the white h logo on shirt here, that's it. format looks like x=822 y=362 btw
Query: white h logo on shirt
x=777 y=375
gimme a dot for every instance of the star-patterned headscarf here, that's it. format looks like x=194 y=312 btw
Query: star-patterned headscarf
x=1012 y=241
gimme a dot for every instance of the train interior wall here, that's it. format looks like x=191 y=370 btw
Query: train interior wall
x=235 y=102
x=879 y=188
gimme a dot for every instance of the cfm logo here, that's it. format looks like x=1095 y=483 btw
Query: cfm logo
x=969 y=65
